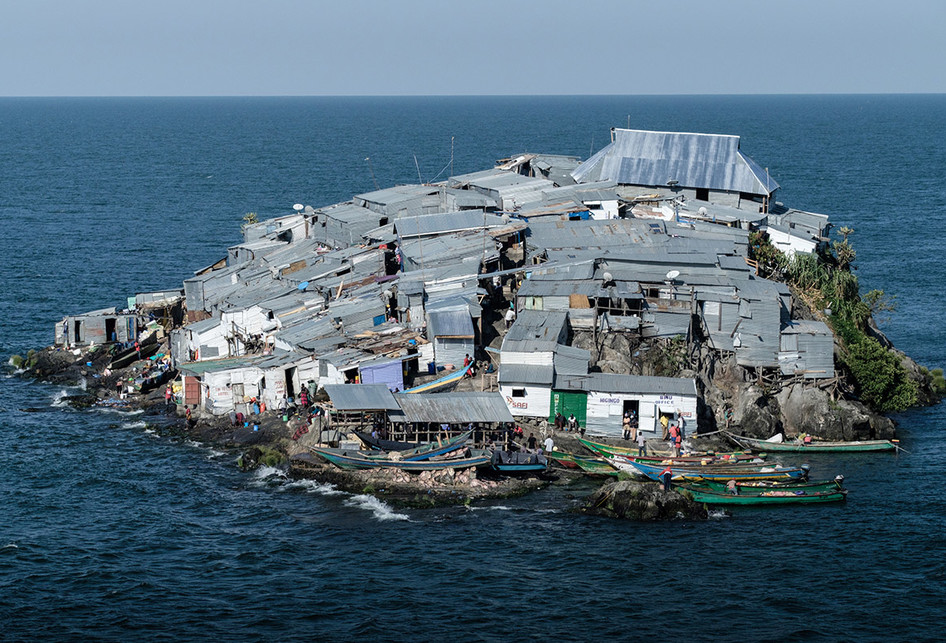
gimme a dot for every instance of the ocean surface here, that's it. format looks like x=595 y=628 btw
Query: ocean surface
x=109 y=531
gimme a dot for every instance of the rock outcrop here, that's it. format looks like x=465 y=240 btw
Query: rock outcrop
x=645 y=501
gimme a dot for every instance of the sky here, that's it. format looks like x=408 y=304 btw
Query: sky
x=466 y=47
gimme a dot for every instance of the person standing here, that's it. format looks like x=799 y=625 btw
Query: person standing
x=168 y=395
x=532 y=442
x=549 y=444
x=627 y=425
x=641 y=443
x=665 y=477
x=510 y=316
x=664 y=422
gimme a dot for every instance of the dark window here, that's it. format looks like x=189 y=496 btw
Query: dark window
x=702 y=194
x=518 y=392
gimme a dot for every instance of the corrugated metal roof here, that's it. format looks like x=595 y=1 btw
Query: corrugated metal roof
x=526 y=374
x=713 y=161
x=446 y=222
x=454 y=408
x=361 y=397
x=613 y=383
x=449 y=323
x=542 y=325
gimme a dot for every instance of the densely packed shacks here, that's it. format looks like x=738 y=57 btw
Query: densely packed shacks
x=648 y=237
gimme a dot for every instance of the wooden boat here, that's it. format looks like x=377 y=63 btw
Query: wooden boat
x=442 y=384
x=707 y=461
x=518 y=462
x=378 y=444
x=149 y=346
x=358 y=460
x=609 y=449
x=756 y=487
x=814 y=447
x=426 y=451
x=154 y=379
x=773 y=472
x=591 y=466
x=768 y=497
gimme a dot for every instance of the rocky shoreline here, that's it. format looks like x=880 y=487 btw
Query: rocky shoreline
x=728 y=400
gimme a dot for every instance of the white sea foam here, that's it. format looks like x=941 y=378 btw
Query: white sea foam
x=312 y=486
x=10 y=546
x=140 y=424
x=717 y=514
x=492 y=508
x=59 y=398
x=379 y=508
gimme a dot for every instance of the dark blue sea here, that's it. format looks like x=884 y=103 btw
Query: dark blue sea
x=109 y=531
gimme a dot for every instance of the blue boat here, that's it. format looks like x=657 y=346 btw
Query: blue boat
x=695 y=474
x=518 y=462
x=360 y=460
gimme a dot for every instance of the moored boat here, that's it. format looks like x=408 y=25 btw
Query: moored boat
x=518 y=462
x=603 y=449
x=591 y=466
x=814 y=446
x=378 y=444
x=756 y=487
x=688 y=473
x=358 y=460
x=767 y=497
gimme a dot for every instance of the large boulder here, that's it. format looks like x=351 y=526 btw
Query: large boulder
x=807 y=409
x=646 y=501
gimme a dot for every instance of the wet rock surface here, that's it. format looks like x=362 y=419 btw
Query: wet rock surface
x=643 y=501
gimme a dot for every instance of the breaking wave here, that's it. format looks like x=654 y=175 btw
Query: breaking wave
x=381 y=510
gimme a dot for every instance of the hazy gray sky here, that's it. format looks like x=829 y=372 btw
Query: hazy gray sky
x=422 y=47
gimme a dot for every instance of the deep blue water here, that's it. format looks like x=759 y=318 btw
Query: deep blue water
x=109 y=531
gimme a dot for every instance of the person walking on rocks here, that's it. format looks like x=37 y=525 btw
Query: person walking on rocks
x=510 y=316
x=168 y=395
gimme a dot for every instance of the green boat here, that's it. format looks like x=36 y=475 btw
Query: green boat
x=609 y=450
x=814 y=447
x=749 y=488
x=591 y=466
x=768 y=497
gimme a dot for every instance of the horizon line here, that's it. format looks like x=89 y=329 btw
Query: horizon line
x=773 y=94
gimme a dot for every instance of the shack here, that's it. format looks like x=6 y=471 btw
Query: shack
x=97 y=327
x=608 y=396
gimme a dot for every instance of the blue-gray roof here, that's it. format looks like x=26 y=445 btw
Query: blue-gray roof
x=712 y=161
x=613 y=383
x=453 y=408
x=361 y=397
x=449 y=323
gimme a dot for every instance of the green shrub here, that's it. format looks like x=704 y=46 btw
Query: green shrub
x=880 y=378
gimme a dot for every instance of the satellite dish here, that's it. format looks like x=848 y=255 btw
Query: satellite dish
x=702 y=211
x=607 y=277
x=309 y=209
x=298 y=207
x=673 y=274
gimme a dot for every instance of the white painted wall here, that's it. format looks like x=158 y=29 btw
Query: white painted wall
x=536 y=402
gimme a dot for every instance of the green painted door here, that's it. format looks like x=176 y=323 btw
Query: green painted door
x=566 y=403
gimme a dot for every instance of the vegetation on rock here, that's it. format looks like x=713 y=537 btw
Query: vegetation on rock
x=824 y=282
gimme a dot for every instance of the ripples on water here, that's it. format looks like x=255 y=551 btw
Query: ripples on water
x=112 y=531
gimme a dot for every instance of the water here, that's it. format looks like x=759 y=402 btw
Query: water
x=111 y=531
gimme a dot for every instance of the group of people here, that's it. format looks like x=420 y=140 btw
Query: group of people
x=569 y=425
x=674 y=432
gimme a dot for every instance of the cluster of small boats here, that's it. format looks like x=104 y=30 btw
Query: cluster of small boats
x=736 y=478
x=452 y=453
x=733 y=478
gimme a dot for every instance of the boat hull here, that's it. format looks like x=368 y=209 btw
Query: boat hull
x=772 y=497
x=814 y=447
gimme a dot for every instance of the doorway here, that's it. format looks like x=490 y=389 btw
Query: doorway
x=110 y=335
